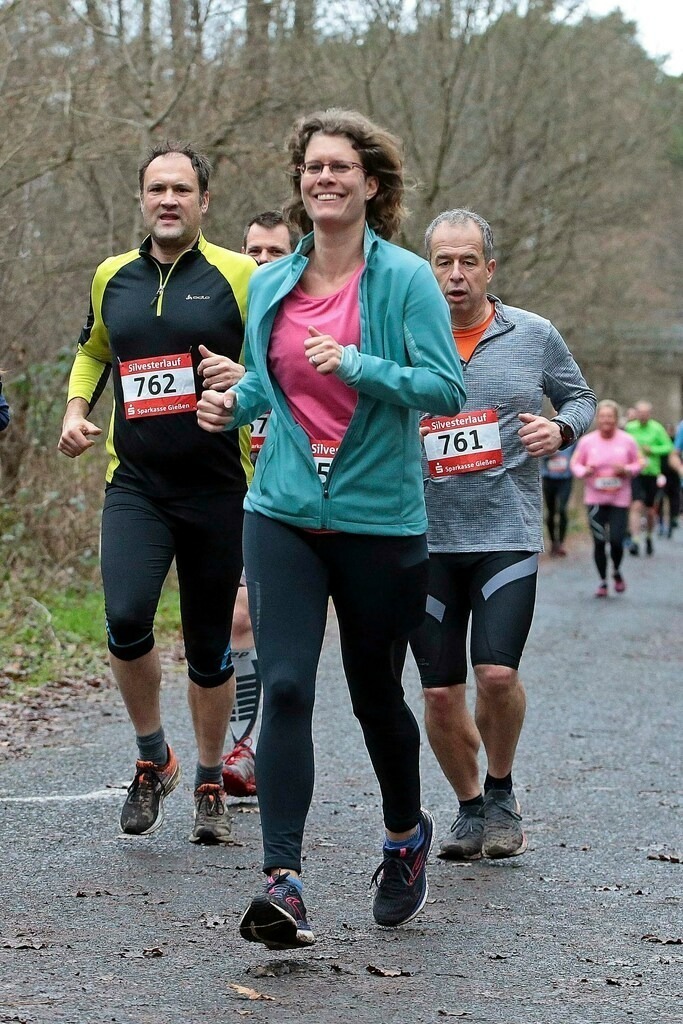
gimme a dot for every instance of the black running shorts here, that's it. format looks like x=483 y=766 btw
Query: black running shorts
x=497 y=590
x=140 y=539
x=644 y=488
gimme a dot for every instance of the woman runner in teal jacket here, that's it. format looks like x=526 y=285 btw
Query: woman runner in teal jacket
x=347 y=339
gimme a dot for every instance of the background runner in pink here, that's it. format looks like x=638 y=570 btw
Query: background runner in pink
x=596 y=459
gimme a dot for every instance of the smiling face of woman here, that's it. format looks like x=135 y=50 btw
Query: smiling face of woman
x=331 y=196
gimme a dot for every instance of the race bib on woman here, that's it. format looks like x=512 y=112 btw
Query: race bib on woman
x=323 y=453
x=607 y=483
x=466 y=443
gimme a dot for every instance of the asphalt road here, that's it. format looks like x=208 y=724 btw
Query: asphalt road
x=587 y=926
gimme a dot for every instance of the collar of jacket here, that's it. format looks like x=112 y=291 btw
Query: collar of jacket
x=370 y=243
x=500 y=323
x=286 y=272
x=198 y=245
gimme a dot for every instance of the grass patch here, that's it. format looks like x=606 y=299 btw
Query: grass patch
x=56 y=633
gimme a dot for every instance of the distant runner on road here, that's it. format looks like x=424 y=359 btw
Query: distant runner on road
x=172 y=491
x=676 y=453
x=655 y=444
x=606 y=460
x=557 y=489
x=485 y=510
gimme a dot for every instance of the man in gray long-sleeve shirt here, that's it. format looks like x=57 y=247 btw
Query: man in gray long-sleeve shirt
x=484 y=504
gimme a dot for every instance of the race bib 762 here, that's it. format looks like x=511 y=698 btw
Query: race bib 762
x=158 y=385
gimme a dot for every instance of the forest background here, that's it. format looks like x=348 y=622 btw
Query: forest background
x=552 y=123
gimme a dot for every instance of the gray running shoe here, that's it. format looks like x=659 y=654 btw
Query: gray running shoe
x=467 y=835
x=212 y=823
x=503 y=833
x=143 y=808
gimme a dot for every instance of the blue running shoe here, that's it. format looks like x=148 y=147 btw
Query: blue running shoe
x=277 y=916
x=401 y=880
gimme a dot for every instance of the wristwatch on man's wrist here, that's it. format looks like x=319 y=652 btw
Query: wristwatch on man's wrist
x=566 y=432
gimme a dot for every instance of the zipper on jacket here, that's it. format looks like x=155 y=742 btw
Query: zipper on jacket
x=159 y=295
x=324 y=511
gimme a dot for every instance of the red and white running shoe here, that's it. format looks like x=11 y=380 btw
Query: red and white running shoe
x=238 y=770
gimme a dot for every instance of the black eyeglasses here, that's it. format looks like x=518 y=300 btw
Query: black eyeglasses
x=338 y=168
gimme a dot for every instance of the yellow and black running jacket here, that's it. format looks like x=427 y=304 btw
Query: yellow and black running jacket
x=146 y=322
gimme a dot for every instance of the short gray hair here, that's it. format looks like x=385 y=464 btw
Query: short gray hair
x=460 y=216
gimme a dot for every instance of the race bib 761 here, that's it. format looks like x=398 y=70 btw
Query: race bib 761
x=466 y=443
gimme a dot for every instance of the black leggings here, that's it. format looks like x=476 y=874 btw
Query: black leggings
x=557 y=494
x=379 y=587
x=608 y=524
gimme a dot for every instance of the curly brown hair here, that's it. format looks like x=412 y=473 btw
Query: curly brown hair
x=381 y=155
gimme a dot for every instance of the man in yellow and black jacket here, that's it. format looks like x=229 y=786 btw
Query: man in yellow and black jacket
x=172 y=490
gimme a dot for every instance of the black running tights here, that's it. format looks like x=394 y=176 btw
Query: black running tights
x=378 y=586
x=608 y=525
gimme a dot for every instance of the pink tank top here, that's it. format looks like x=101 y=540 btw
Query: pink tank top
x=322 y=405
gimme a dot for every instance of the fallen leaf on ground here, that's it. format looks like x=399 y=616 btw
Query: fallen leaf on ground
x=242 y=992
x=23 y=943
x=133 y=954
x=387 y=972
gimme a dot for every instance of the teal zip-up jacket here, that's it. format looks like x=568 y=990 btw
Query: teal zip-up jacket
x=407 y=362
